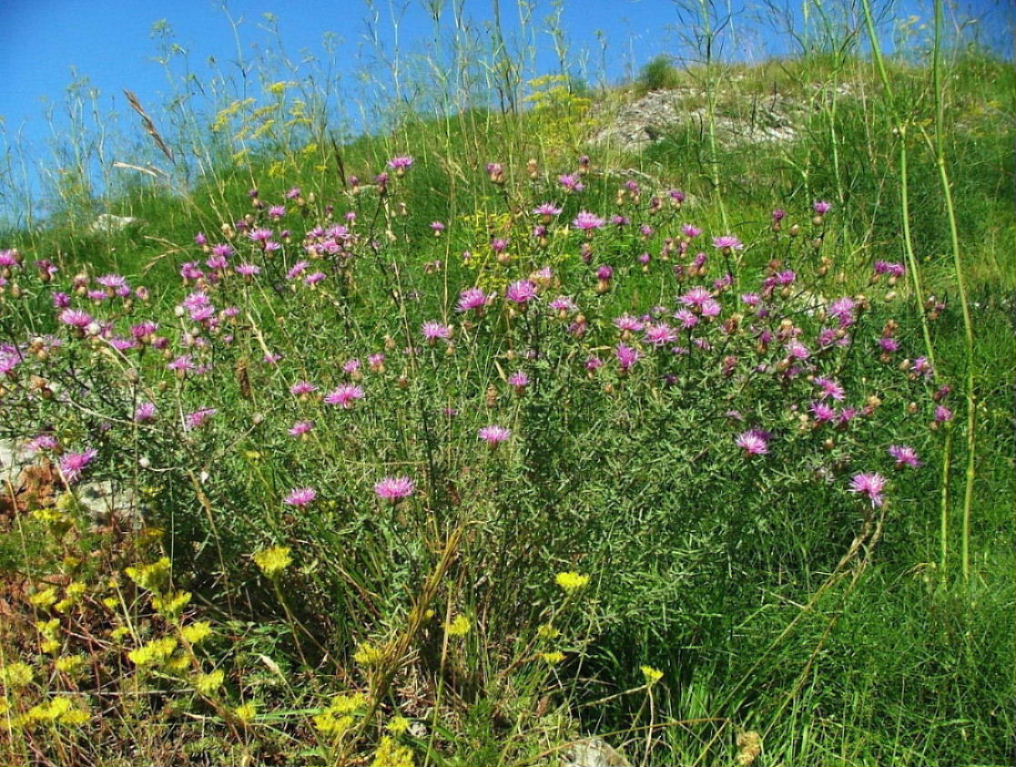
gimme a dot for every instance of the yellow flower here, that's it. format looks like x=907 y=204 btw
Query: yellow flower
x=45 y=598
x=274 y=560
x=391 y=754
x=16 y=675
x=398 y=725
x=207 y=684
x=652 y=675
x=338 y=717
x=572 y=581
x=171 y=605
x=368 y=655
x=196 y=632
x=49 y=646
x=70 y=664
x=48 y=628
x=153 y=577
x=458 y=627
x=548 y=631
x=178 y=663
x=59 y=710
x=552 y=658
x=154 y=653
x=246 y=712
x=119 y=633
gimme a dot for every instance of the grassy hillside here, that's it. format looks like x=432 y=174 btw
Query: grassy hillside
x=464 y=441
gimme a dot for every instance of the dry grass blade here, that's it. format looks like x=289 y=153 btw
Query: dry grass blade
x=149 y=125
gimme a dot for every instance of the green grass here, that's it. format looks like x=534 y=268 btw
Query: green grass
x=723 y=578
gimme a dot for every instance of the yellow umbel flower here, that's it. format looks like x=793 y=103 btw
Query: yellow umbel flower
x=652 y=675
x=196 y=632
x=16 y=675
x=246 y=712
x=552 y=658
x=119 y=633
x=459 y=626
x=368 y=655
x=548 y=631
x=70 y=664
x=59 y=710
x=339 y=716
x=571 y=581
x=391 y=754
x=171 y=605
x=154 y=653
x=398 y=725
x=50 y=646
x=207 y=684
x=178 y=663
x=153 y=577
x=45 y=598
x=274 y=560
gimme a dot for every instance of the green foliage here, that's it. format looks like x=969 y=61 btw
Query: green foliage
x=659 y=74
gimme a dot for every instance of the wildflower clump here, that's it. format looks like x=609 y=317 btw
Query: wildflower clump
x=274 y=560
x=341 y=714
x=391 y=754
x=458 y=626
x=571 y=581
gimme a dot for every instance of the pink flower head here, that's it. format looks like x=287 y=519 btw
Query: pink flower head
x=75 y=318
x=144 y=412
x=277 y=211
x=521 y=292
x=547 y=209
x=300 y=428
x=198 y=418
x=628 y=323
x=437 y=226
x=830 y=388
x=587 y=221
x=432 y=331
x=753 y=442
x=905 y=456
x=344 y=395
x=302 y=496
x=395 y=489
x=472 y=299
x=690 y=231
x=627 y=356
x=401 y=163
x=893 y=270
x=871 y=485
x=728 y=242
x=495 y=435
x=301 y=388
x=660 y=333
x=570 y=183
x=822 y=207
x=943 y=414
x=823 y=413
x=72 y=465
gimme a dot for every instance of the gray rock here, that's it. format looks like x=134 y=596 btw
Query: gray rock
x=593 y=752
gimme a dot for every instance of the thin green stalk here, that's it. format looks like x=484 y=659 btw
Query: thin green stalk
x=968 y=326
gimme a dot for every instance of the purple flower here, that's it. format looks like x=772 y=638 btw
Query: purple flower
x=943 y=414
x=395 y=488
x=72 y=465
x=628 y=323
x=728 y=242
x=302 y=496
x=75 y=318
x=889 y=344
x=145 y=412
x=400 y=164
x=519 y=380
x=830 y=388
x=660 y=333
x=432 y=331
x=905 y=456
x=494 y=435
x=301 y=388
x=823 y=413
x=822 y=207
x=571 y=183
x=472 y=299
x=563 y=304
x=627 y=356
x=871 y=485
x=587 y=221
x=521 y=292
x=198 y=418
x=344 y=395
x=753 y=442
x=300 y=428
x=437 y=226
x=893 y=270
x=549 y=210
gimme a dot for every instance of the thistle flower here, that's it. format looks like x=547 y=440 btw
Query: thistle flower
x=905 y=456
x=871 y=485
x=400 y=164
x=75 y=318
x=629 y=324
x=344 y=395
x=753 y=442
x=830 y=388
x=300 y=428
x=547 y=210
x=394 y=489
x=301 y=388
x=659 y=334
x=494 y=435
x=519 y=380
x=198 y=418
x=821 y=207
x=144 y=412
x=521 y=292
x=627 y=356
x=302 y=496
x=72 y=465
x=728 y=242
x=472 y=299
x=432 y=331
x=587 y=221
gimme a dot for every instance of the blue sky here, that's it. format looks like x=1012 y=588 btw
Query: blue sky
x=46 y=44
